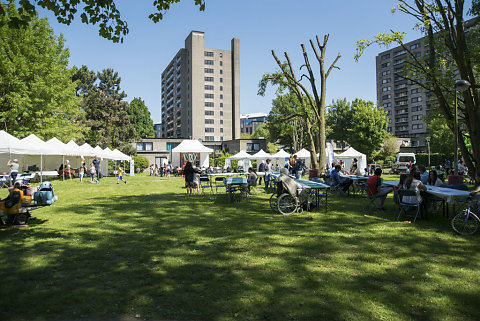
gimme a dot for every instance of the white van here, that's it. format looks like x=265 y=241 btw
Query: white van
x=402 y=162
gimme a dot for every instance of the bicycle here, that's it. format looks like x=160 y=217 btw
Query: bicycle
x=466 y=222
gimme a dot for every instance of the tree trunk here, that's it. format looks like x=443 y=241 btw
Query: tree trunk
x=311 y=144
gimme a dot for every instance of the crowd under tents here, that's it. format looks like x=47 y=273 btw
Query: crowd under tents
x=40 y=156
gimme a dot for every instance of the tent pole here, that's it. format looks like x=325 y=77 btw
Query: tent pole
x=63 y=166
x=41 y=168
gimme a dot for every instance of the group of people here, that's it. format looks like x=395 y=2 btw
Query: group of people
x=163 y=171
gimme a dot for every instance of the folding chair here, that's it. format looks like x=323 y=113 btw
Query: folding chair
x=371 y=199
x=220 y=182
x=205 y=184
x=406 y=206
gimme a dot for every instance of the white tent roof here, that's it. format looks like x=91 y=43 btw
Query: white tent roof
x=303 y=153
x=120 y=156
x=351 y=152
x=191 y=146
x=12 y=145
x=39 y=147
x=261 y=155
x=59 y=147
x=241 y=155
x=86 y=150
x=281 y=154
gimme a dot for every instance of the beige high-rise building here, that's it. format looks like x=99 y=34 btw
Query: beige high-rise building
x=201 y=92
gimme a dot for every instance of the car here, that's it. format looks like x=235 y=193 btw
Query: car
x=402 y=162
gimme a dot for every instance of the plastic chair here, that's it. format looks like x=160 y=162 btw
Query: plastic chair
x=406 y=206
x=220 y=182
x=371 y=199
x=205 y=184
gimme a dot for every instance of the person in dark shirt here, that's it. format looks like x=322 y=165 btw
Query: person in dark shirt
x=96 y=163
x=337 y=180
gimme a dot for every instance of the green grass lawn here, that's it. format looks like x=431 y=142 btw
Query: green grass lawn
x=145 y=249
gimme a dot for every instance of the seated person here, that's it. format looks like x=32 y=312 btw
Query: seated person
x=355 y=171
x=423 y=174
x=252 y=178
x=375 y=184
x=433 y=179
x=413 y=183
x=336 y=180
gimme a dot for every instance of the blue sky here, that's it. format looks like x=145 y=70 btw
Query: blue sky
x=261 y=25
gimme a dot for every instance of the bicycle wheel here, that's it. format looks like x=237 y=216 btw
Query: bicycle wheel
x=287 y=204
x=464 y=226
x=274 y=202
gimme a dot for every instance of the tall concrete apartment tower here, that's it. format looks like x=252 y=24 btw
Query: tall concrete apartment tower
x=201 y=92
x=406 y=104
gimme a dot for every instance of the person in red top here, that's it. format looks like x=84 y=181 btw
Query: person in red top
x=375 y=184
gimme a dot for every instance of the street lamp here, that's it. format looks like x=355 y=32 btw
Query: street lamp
x=427 y=139
x=460 y=85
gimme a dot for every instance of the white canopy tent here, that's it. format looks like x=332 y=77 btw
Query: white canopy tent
x=280 y=158
x=348 y=156
x=191 y=150
x=243 y=160
x=261 y=155
x=305 y=155
x=120 y=156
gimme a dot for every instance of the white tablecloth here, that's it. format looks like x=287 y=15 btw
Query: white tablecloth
x=448 y=194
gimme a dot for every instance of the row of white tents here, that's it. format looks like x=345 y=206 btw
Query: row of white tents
x=281 y=156
x=48 y=155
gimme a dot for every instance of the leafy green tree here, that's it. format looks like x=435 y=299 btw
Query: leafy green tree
x=450 y=51
x=109 y=84
x=36 y=92
x=106 y=115
x=140 y=162
x=104 y=13
x=339 y=119
x=360 y=124
x=261 y=131
x=441 y=136
x=140 y=117
x=369 y=127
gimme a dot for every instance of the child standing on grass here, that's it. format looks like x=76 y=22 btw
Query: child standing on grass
x=93 y=171
x=120 y=176
x=81 y=171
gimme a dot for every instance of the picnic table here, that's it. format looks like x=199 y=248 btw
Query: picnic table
x=316 y=187
x=236 y=188
x=448 y=195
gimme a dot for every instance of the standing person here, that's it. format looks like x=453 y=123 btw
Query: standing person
x=96 y=163
x=268 y=172
x=196 y=180
x=120 y=175
x=297 y=167
x=189 y=176
x=375 y=187
x=81 y=171
x=13 y=169
x=261 y=169
x=372 y=167
x=169 y=169
x=354 y=163
x=291 y=163
x=68 y=168
x=93 y=172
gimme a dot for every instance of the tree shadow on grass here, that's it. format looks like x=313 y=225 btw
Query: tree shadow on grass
x=166 y=256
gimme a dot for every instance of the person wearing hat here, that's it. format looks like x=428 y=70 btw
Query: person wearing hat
x=13 y=169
